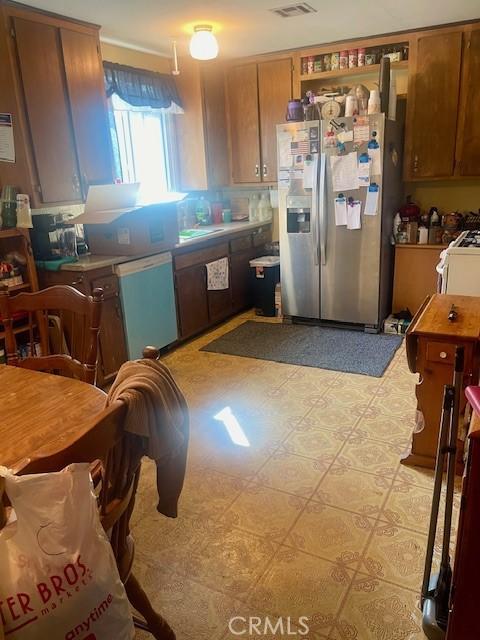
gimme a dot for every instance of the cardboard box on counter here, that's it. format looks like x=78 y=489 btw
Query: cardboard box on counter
x=116 y=226
x=127 y=232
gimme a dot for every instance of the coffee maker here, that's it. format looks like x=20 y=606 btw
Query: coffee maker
x=55 y=236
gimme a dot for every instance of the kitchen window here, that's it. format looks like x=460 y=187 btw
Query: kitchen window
x=142 y=111
x=143 y=150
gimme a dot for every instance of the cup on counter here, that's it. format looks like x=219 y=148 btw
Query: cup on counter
x=227 y=215
x=217 y=213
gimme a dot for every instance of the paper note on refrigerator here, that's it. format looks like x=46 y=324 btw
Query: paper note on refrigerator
x=375 y=161
x=340 y=211
x=285 y=158
x=363 y=170
x=308 y=173
x=354 y=210
x=345 y=136
x=371 y=202
x=344 y=172
x=361 y=129
x=283 y=178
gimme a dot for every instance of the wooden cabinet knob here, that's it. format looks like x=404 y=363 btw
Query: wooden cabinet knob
x=443 y=354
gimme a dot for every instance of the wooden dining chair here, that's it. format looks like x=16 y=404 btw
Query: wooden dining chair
x=62 y=326
x=107 y=447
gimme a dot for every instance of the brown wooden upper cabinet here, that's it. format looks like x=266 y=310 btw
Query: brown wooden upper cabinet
x=468 y=138
x=258 y=94
x=202 y=128
x=88 y=104
x=42 y=77
x=443 y=131
x=52 y=83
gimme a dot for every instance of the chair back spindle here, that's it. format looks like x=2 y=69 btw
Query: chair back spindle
x=62 y=330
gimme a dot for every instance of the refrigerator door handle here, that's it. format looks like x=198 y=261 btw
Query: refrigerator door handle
x=314 y=217
x=322 y=210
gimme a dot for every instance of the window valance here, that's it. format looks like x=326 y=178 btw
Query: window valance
x=141 y=88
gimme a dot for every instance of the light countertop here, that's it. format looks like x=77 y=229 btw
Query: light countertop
x=437 y=247
x=219 y=230
x=90 y=262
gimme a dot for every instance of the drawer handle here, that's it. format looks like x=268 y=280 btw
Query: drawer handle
x=78 y=281
x=257 y=170
x=443 y=354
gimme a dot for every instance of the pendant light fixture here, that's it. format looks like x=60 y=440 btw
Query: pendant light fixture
x=203 y=45
x=175 y=70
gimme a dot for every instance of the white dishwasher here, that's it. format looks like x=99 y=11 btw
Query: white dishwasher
x=148 y=303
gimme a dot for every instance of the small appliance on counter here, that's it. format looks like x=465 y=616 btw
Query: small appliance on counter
x=55 y=236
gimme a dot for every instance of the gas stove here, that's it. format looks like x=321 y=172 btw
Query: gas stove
x=466 y=243
x=459 y=267
x=470 y=239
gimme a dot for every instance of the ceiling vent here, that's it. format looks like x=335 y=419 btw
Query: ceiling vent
x=294 y=10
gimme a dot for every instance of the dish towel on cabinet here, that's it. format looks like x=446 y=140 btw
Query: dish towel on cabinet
x=217 y=275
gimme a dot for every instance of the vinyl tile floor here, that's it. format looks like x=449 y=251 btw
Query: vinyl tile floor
x=295 y=506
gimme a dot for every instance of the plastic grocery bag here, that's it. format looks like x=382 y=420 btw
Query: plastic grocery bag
x=58 y=576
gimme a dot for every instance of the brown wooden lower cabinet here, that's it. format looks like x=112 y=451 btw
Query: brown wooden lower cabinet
x=112 y=346
x=198 y=308
x=415 y=275
x=192 y=304
x=219 y=305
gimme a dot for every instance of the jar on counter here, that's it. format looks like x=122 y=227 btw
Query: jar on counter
x=327 y=62
x=310 y=64
x=318 y=65
x=335 y=61
x=343 y=60
x=361 y=57
x=352 y=58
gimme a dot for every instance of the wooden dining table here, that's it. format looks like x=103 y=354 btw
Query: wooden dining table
x=40 y=409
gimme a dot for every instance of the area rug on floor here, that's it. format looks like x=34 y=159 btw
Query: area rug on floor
x=322 y=347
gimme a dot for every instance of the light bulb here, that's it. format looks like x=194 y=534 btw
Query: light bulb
x=203 y=45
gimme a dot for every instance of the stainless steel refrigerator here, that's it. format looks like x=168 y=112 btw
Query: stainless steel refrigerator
x=331 y=271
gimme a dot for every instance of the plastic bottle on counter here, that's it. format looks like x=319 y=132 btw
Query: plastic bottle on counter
x=24 y=213
x=202 y=212
x=397 y=221
x=434 y=233
x=253 y=205
x=264 y=208
x=422 y=235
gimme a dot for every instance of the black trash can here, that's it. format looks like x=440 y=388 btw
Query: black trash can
x=266 y=276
